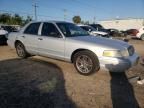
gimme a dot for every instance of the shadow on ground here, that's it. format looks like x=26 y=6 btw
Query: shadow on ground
x=31 y=83
x=135 y=38
x=122 y=92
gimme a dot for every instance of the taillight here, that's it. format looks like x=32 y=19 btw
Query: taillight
x=135 y=32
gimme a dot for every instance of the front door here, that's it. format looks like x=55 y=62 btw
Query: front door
x=51 y=43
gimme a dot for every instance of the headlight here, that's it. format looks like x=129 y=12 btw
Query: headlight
x=115 y=53
x=125 y=53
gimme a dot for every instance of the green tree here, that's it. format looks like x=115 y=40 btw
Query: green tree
x=27 y=20
x=15 y=19
x=5 y=18
x=76 y=19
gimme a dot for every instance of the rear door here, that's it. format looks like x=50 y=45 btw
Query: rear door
x=30 y=37
x=51 y=42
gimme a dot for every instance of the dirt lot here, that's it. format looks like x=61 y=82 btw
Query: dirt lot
x=39 y=82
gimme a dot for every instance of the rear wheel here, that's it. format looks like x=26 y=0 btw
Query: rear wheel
x=86 y=62
x=142 y=37
x=20 y=49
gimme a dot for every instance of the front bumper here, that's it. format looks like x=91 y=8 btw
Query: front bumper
x=10 y=43
x=118 y=64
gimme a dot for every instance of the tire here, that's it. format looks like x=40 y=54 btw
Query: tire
x=20 y=49
x=142 y=37
x=86 y=62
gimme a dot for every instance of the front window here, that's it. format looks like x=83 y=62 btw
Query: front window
x=71 y=30
x=50 y=30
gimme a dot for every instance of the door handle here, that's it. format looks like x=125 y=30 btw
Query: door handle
x=40 y=39
x=23 y=36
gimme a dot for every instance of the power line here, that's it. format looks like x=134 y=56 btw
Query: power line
x=80 y=3
x=68 y=13
x=86 y=4
x=69 y=10
x=14 y=12
x=64 y=10
x=29 y=14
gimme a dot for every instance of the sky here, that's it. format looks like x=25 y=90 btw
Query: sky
x=88 y=10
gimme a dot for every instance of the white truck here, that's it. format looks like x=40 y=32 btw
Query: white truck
x=140 y=33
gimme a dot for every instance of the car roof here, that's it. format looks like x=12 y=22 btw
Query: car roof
x=50 y=21
x=95 y=24
x=82 y=25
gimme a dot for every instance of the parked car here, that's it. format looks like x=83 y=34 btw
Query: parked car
x=131 y=32
x=135 y=33
x=98 y=27
x=3 y=34
x=68 y=42
x=4 y=30
x=115 y=33
x=93 y=31
x=9 y=28
x=140 y=33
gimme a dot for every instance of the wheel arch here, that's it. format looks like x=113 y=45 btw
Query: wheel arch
x=142 y=35
x=77 y=50
x=17 y=41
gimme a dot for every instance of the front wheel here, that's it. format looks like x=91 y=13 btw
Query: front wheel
x=86 y=62
x=20 y=49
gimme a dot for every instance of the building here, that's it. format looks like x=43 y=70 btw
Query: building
x=123 y=24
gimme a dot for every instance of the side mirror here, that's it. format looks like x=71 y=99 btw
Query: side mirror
x=89 y=30
x=54 y=34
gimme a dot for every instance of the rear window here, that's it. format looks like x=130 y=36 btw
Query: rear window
x=32 y=29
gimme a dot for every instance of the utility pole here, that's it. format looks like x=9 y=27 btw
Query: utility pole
x=35 y=10
x=64 y=10
x=143 y=22
x=94 y=19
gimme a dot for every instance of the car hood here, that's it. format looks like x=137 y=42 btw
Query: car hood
x=100 y=41
x=3 y=32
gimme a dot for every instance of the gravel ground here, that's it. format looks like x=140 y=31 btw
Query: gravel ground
x=39 y=82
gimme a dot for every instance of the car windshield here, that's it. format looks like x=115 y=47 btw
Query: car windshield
x=71 y=30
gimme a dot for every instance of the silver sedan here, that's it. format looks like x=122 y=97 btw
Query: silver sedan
x=68 y=42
